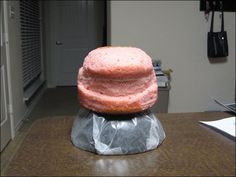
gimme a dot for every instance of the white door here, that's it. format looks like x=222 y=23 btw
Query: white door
x=5 y=120
x=76 y=34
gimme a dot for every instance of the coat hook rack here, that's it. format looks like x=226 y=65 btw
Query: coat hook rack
x=207 y=5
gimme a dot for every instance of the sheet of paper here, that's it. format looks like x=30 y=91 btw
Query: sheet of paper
x=226 y=125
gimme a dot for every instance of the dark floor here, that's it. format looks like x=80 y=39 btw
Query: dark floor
x=55 y=102
x=59 y=101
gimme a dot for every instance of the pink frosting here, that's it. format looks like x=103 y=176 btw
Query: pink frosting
x=117 y=80
x=115 y=62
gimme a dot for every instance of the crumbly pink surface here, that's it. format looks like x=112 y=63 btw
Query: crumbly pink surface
x=115 y=62
x=126 y=91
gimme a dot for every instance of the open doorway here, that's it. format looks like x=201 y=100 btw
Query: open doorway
x=71 y=30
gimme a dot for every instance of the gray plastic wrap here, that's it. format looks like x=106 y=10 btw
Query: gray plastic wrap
x=116 y=134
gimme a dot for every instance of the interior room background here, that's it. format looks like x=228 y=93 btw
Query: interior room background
x=173 y=31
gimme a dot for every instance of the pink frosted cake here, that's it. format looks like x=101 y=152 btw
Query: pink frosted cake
x=117 y=80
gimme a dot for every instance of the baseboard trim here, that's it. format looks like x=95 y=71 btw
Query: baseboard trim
x=30 y=108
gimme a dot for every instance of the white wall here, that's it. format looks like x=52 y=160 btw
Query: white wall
x=176 y=33
x=14 y=66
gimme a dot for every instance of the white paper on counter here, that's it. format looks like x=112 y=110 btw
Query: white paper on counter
x=226 y=125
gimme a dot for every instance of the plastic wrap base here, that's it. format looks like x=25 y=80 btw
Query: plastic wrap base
x=116 y=134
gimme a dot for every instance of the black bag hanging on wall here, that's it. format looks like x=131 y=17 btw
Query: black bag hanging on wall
x=217 y=44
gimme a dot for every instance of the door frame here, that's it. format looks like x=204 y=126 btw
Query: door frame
x=5 y=43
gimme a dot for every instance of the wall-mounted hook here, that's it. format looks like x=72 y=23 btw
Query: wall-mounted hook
x=221 y=9
x=207 y=11
x=213 y=3
x=207 y=6
x=221 y=5
x=218 y=5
